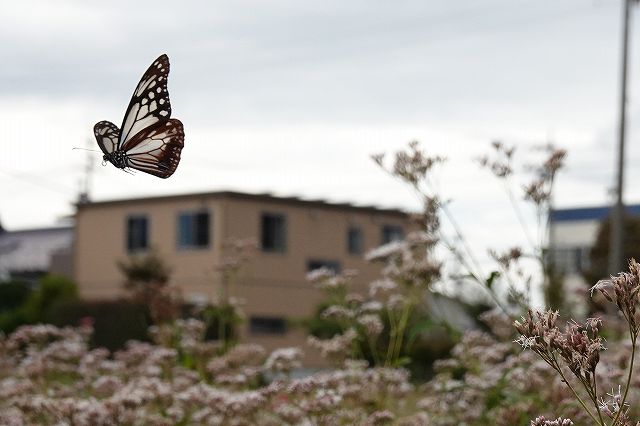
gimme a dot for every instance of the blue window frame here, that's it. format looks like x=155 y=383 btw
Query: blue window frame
x=193 y=230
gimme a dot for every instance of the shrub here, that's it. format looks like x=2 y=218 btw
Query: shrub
x=13 y=294
x=51 y=290
x=114 y=321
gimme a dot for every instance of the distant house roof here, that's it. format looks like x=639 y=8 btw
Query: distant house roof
x=265 y=197
x=30 y=249
x=589 y=213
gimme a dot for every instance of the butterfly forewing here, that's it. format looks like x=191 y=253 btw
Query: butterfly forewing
x=107 y=134
x=150 y=101
x=156 y=149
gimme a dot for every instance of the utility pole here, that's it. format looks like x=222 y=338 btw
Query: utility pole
x=85 y=182
x=617 y=217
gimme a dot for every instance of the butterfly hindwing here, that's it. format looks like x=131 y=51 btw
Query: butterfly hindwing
x=156 y=149
x=150 y=101
x=108 y=135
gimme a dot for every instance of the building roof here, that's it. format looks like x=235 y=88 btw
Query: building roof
x=264 y=197
x=30 y=249
x=589 y=213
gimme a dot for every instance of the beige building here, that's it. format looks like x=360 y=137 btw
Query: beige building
x=294 y=236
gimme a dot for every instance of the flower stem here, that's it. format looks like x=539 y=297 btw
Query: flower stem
x=400 y=331
x=557 y=367
x=634 y=336
x=392 y=338
x=595 y=397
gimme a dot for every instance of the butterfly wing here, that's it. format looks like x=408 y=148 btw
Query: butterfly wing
x=156 y=149
x=150 y=101
x=107 y=134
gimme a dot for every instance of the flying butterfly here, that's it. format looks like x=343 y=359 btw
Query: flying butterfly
x=149 y=140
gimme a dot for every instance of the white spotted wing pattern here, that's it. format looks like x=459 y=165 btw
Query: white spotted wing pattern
x=149 y=140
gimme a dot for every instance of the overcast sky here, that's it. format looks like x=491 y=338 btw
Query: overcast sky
x=291 y=97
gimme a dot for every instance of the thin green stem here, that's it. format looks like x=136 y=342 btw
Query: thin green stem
x=400 y=331
x=460 y=235
x=473 y=276
x=519 y=215
x=634 y=336
x=374 y=351
x=557 y=367
x=595 y=398
x=392 y=335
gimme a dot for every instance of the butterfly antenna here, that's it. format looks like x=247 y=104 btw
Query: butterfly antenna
x=86 y=149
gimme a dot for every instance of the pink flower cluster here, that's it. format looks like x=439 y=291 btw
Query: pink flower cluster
x=49 y=375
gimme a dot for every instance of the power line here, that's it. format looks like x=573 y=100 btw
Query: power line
x=38 y=181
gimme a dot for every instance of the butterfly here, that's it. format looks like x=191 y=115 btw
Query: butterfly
x=149 y=140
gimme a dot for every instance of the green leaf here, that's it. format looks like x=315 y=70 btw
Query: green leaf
x=492 y=277
x=417 y=329
x=402 y=361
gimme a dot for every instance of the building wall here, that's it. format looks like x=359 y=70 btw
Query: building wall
x=571 y=241
x=575 y=233
x=272 y=285
x=101 y=242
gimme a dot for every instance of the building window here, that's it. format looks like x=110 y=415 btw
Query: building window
x=137 y=233
x=354 y=241
x=313 y=264
x=267 y=325
x=391 y=233
x=193 y=230
x=571 y=260
x=274 y=232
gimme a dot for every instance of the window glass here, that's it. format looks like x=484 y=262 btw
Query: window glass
x=193 y=229
x=391 y=233
x=137 y=233
x=273 y=232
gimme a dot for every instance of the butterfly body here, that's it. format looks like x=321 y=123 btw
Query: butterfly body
x=149 y=140
x=117 y=158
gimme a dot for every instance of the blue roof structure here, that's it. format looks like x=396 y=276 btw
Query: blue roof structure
x=589 y=213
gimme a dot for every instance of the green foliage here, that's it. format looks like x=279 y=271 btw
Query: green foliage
x=433 y=340
x=149 y=268
x=323 y=328
x=114 y=321
x=50 y=291
x=144 y=275
x=424 y=339
x=222 y=322
x=12 y=319
x=13 y=294
x=491 y=279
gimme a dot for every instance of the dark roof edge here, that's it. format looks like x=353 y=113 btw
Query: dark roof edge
x=34 y=230
x=251 y=197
